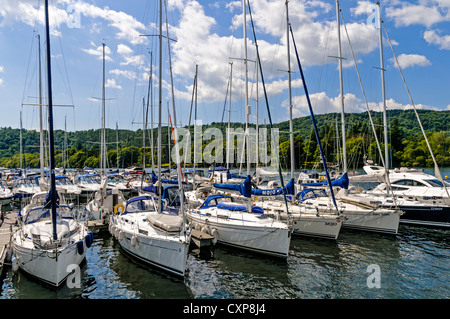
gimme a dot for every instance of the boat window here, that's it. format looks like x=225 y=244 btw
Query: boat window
x=141 y=205
x=409 y=182
x=41 y=213
x=437 y=183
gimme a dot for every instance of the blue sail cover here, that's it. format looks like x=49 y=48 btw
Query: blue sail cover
x=236 y=207
x=341 y=182
x=290 y=190
x=165 y=180
x=245 y=188
x=230 y=176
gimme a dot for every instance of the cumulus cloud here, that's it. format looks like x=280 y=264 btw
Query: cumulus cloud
x=434 y=37
x=111 y=83
x=98 y=51
x=409 y=60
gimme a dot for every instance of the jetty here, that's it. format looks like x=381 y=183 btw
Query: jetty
x=7 y=228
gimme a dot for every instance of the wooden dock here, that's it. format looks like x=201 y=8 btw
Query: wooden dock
x=7 y=228
x=201 y=239
x=97 y=225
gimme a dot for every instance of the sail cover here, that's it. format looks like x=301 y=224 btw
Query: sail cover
x=244 y=188
x=341 y=182
x=289 y=188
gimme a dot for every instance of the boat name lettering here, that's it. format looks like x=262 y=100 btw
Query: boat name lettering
x=330 y=224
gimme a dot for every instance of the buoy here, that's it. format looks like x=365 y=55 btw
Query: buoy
x=133 y=240
x=214 y=233
x=15 y=264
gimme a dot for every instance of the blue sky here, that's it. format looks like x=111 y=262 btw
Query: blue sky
x=209 y=34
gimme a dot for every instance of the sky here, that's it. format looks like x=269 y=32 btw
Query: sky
x=208 y=36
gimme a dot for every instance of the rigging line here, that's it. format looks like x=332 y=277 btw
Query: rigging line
x=267 y=105
x=368 y=109
x=313 y=120
x=436 y=167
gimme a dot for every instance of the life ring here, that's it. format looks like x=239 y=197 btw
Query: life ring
x=116 y=208
x=215 y=234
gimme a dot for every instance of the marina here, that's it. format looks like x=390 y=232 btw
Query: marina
x=413 y=265
x=75 y=225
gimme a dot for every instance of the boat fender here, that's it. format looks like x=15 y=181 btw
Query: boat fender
x=89 y=239
x=116 y=233
x=198 y=226
x=80 y=247
x=121 y=235
x=133 y=240
x=15 y=264
x=110 y=228
x=116 y=208
x=205 y=229
x=214 y=233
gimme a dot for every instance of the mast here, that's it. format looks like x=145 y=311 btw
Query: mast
x=247 y=106
x=103 y=140
x=160 y=107
x=144 y=128
x=291 y=126
x=341 y=97
x=41 y=130
x=50 y=125
x=229 y=117
x=383 y=93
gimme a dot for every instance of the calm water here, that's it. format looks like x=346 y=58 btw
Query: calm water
x=413 y=264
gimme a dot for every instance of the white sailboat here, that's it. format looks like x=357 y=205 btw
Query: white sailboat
x=144 y=230
x=303 y=221
x=357 y=215
x=240 y=224
x=50 y=241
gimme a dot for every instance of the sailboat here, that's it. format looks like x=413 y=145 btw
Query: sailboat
x=240 y=223
x=304 y=221
x=357 y=215
x=422 y=197
x=145 y=231
x=50 y=241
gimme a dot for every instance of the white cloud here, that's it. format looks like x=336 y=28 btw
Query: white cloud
x=433 y=37
x=123 y=49
x=408 y=60
x=98 y=51
x=124 y=73
x=415 y=14
x=111 y=83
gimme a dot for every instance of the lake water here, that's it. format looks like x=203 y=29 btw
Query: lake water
x=412 y=265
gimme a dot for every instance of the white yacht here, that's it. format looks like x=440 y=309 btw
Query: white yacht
x=155 y=238
x=48 y=252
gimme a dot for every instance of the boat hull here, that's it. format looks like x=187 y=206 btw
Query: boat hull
x=428 y=216
x=163 y=252
x=327 y=228
x=45 y=266
x=273 y=241
x=385 y=222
